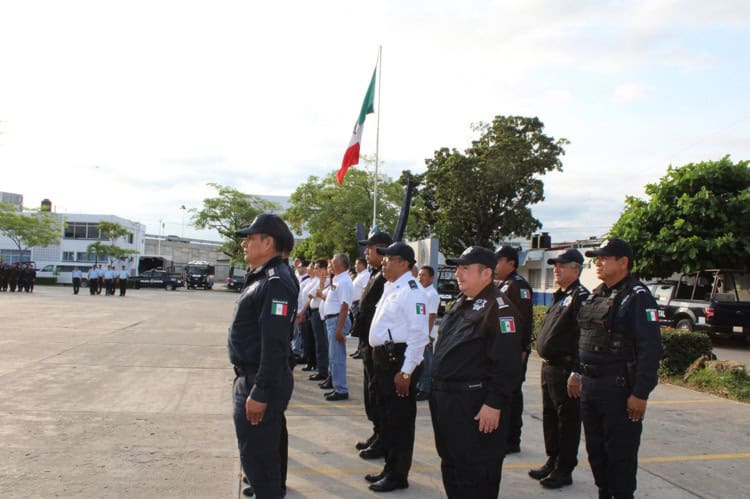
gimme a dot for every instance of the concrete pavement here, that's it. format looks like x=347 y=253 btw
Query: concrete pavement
x=130 y=397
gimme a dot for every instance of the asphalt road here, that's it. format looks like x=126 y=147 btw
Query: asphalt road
x=732 y=349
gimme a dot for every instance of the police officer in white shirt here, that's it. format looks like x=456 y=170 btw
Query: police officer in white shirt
x=123 y=281
x=426 y=276
x=338 y=299
x=398 y=335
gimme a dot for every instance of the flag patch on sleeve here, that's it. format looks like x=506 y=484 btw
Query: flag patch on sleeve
x=525 y=294
x=421 y=309
x=652 y=315
x=507 y=325
x=279 y=308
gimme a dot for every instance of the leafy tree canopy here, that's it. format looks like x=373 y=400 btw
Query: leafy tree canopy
x=228 y=212
x=29 y=228
x=484 y=194
x=112 y=231
x=697 y=216
x=330 y=213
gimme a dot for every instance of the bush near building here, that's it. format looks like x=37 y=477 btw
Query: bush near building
x=681 y=348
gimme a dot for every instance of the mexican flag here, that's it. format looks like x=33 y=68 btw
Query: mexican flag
x=351 y=156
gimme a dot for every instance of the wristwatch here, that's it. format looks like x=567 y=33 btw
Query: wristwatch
x=406 y=376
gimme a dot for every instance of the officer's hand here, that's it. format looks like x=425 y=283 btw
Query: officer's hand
x=636 y=408
x=489 y=419
x=575 y=386
x=300 y=318
x=402 y=385
x=254 y=410
x=340 y=336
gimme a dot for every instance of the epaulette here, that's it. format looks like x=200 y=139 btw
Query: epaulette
x=413 y=284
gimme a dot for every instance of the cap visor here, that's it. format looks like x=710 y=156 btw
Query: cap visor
x=455 y=261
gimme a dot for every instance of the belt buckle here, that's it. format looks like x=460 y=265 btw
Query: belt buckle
x=620 y=381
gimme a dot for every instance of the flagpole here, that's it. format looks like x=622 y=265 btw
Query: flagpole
x=377 y=143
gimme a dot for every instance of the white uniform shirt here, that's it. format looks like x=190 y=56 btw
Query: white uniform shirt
x=433 y=302
x=123 y=274
x=402 y=310
x=315 y=301
x=306 y=287
x=360 y=283
x=339 y=293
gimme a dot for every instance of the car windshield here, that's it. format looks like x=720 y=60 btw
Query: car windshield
x=733 y=286
x=447 y=283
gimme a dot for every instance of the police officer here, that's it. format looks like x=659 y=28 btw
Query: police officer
x=398 y=336
x=519 y=292
x=258 y=346
x=619 y=351
x=475 y=368
x=370 y=448
x=557 y=345
x=76 y=274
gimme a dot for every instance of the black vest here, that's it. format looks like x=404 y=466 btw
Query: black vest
x=599 y=331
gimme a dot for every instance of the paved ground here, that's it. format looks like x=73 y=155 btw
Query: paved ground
x=104 y=397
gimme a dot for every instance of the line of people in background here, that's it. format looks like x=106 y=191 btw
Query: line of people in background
x=17 y=277
x=108 y=280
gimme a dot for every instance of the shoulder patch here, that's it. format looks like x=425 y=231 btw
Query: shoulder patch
x=525 y=294
x=413 y=284
x=507 y=325
x=270 y=272
x=279 y=307
x=501 y=303
x=421 y=309
x=652 y=315
x=479 y=304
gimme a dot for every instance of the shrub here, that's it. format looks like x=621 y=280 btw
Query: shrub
x=681 y=348
x=539 y=313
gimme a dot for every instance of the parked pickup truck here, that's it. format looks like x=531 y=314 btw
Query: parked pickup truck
x=159 y=279
x=716 y=301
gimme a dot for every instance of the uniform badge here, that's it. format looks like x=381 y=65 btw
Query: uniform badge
x=271 y=272
x=413 y=285
x=279 y=308
x=421 y=309
x=652 y=315
x=479 y=304
x=566 y=301
x=507 y=325
x=525 y=294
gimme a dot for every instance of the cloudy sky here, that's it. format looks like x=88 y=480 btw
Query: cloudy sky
x=131 y=108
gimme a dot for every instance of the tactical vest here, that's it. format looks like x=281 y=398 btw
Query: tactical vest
x=594 y=320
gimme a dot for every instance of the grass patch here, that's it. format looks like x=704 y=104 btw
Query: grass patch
x=722 y=383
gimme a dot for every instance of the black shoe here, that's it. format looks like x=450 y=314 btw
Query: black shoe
x=387 y=484
x=356 y=355
x=329 y=393
x=512 y=449
x=557 y=480
x=248 y=491
x=245 y=480
x=375 y=477
x=326 y=385
x=317 y=377
x=337 y=396
x=422 y=396
x=544 y=471
x=366 y=443
x=308 y=368
x=372 y=453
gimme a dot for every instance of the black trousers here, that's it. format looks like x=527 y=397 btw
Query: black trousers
x=93 y=286
x=308 y=343
x=123 y=286
x=369 y=383
x=397 y=415
x=561 y=418
x=516 y=410
x=76 y=285
x=471 y=462
x=612 y=440
x=261 y=454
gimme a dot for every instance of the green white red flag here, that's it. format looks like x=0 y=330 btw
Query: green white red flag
x=351 y=156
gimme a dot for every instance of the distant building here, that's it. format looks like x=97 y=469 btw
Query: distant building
x=12 y=199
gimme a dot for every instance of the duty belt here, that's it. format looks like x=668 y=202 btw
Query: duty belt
x=331 y=316
x=245 y=369
x=565 y=361
x=456 y=386
x=598 y=371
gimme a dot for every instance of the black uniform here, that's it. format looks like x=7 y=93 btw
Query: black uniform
x=361 y=329
x=477 y=361
x=259 y=349
x=557 y=345
x=619 y=349
x=519 y=292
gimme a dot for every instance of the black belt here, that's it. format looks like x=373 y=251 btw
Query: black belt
x=456 y=386
x=245 y=369
x=331 y=316
x=597 y=371
x=565 y=361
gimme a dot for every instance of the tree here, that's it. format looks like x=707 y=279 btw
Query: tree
x=111 y=231
x=484 y=194
x=330 y=213
x=28 y=229
x=228 y=212
x=697 y=216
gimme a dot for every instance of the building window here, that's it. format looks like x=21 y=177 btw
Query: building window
x=68 y=256
x=535 y=278
x=82 y=256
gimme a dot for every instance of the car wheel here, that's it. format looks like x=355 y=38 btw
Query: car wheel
x=169 y=287
x=685 y=325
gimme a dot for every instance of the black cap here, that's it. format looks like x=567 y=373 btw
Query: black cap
x=613 y=247
x=274 y=226
x=571 y=255
x=475 y=254
x=398 y=249
x=508 y=252
x=377 y=238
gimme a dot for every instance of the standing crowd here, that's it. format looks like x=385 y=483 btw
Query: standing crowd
x=17 y=277
x=599 y=351
x=99 y=279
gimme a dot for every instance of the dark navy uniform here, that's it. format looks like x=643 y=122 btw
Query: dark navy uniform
x=477 y=361
x=258 y=348
x=518 y=290
x=557 y=345
x=619 y=350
